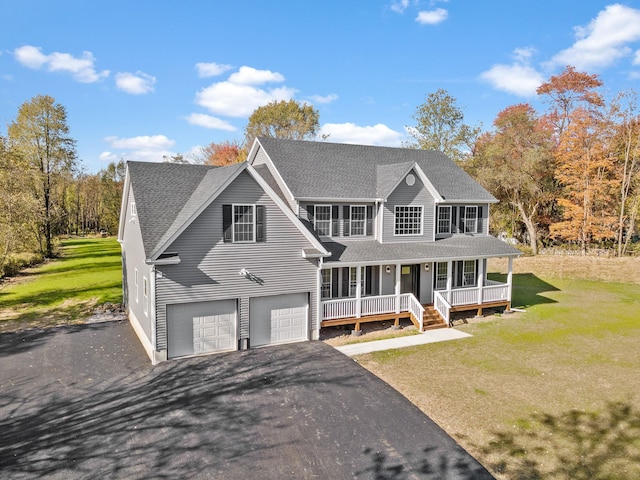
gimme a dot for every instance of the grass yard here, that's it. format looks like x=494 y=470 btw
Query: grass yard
x=64 y=290
x=550 y=393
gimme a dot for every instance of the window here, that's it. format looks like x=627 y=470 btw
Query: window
x=353 y=281
x=408 y=221
x=358 y=220
x=325 y=288
x=441 y=275
x=243 y=223
x=145 y=295
x=444 y=219
x=468 y=273
x=469 y=219
x=322 y=219
x=135 y=276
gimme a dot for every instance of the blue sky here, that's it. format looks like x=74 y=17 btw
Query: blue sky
x=142 y=79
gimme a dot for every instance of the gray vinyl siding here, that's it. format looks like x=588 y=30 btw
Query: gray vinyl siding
x=426 y=284
x=261 y=158
x=209 y=267
x=388 y=286
x=405 y=195
x=133 y=257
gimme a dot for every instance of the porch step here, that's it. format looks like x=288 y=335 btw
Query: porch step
x=431 y=319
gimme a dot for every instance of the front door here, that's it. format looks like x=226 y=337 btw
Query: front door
x=410 y=280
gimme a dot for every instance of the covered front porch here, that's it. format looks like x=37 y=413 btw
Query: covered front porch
x=426 y=293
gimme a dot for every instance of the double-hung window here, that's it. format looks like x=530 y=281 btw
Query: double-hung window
x=408 y=220
x=322 y=220
x=325 y=287
x=470 y=219
x=444 y=219
x=468 y=273
x=358 y=220
x=441 y=275
x=353 y=281
x=243 y=223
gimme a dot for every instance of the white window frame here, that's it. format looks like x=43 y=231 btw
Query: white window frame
x=353 y=280
x=439 y=225
x=441 y=275
x=316 y=221
x=352 y=222
x=145 y=295
x=467 y=218
x=408 y=207
x=466 y=271
x=135 y=275
x=326 y=287
x=235 y=224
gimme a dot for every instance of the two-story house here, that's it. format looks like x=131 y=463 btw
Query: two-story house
x=303 y=235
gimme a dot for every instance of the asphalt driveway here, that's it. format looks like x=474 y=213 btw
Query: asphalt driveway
x=84 y=402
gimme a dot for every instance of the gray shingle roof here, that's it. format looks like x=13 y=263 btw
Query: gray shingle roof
x=333 y=170
x=168 y=194
x=456 y=247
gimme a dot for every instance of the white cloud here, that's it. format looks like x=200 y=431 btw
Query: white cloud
x=208 y=121
x=518 y=79
x=146 y=148
x=242 y=92
x=81 y=68
x=400 y=6
x=379 y=134
x=251 y=76
x=636 y=58
x=213 y=69
x=604 y=41
x=432 y=17
x=332 y=97
x=108 y=157
x=523 y=54
x=135 y=83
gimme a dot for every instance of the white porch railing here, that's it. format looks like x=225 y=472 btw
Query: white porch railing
x=492 y=292
x=377 y=305
x=442 y=306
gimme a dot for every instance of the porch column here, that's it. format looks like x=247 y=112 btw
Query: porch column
x=449 y=280
x=398 y=273
x=480 y=280
x=358 y=291
x=509 y=282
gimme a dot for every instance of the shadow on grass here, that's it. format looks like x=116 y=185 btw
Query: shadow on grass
x=527 y=289
x=574 y=445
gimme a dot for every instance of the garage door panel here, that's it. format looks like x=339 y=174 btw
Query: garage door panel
x=278 y=319
x=201 y=327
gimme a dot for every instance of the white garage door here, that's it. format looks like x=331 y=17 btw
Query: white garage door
x=278 y=319
x=201 y=327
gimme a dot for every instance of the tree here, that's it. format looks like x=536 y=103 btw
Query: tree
x=40 y=134
x=440 y=127
x=585 y=171
x=568 y=91
x=284 y=119
x=221 y=154
x=515 y=163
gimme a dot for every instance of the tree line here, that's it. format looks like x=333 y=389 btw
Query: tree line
x=569 y=175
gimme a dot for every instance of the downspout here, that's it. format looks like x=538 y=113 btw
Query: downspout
x=319 y=309
x=152 y=312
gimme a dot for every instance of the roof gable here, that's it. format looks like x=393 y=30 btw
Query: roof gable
x=343 y=171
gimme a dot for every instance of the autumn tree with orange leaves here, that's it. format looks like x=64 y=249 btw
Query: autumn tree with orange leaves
x=221 y=154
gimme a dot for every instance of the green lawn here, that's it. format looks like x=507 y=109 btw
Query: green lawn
x=550 y=393
x=67 y=289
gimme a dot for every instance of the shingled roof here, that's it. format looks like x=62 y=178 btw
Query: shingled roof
x=342 y=171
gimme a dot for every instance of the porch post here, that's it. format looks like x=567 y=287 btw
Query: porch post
x=480 y=280
x=398 y=273
x=449 y=280
x=358 y=291
x=509 y=282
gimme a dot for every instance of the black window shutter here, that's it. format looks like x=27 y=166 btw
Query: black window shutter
x=345 y=281
x=346 y=212
x=227 y=223
x=261 y=224
x=335 y=225
x=368 y=281
x=454 y=219
x=310 y=213
x=335 y=292
x=461 y=218
x=480 y=219
x=369 y=220
x=459 y=268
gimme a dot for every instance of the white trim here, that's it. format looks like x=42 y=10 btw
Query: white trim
x=342 y=200
x=126 y=190
x=395 y=220
x=253 y=222
x=423 y=178
x=252 y=155
x=468 y=200
x=146 y=343
x=175 y=260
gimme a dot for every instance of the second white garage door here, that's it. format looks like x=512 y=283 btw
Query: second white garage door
x=278 y=319
x=201 y=327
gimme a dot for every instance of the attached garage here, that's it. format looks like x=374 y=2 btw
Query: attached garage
x=201 y=327
x=278 y=319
